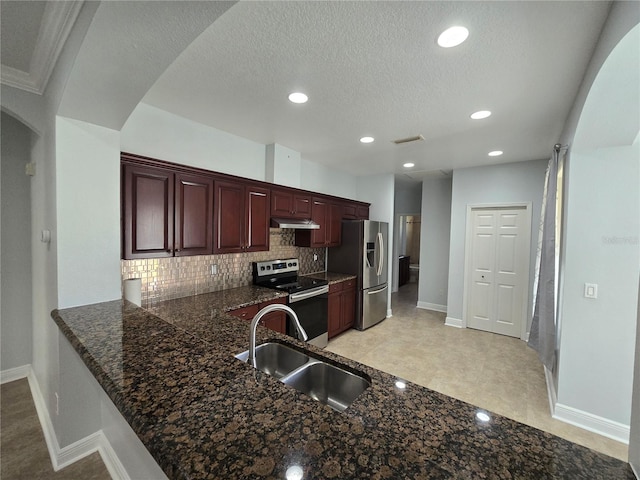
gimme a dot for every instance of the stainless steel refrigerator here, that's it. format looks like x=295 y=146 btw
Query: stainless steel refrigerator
x=363 y=252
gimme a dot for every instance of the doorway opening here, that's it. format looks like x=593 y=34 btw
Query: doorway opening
x=409 y=251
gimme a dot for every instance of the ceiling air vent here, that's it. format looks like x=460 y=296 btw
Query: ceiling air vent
x=408 y=139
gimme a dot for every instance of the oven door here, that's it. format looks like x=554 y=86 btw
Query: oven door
x=311 y=308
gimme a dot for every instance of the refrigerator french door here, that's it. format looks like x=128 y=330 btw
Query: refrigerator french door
x=363 y=252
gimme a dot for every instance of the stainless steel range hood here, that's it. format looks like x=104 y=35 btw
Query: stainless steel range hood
x=300 y=224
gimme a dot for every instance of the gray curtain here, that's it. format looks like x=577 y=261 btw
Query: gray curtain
x=542 y=336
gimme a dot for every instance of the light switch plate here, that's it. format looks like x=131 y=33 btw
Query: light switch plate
x=591 y=290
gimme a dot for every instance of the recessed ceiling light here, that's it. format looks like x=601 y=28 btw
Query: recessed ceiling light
x=367 y=139
x=495 y=153
x=480 y=114
x=298 y=97
x=409 y=165
x=453 y=36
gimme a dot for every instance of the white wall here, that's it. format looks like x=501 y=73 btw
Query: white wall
x=407 y=198
x=318 y=178
x=498 y=184
x=634 y=437
x=15 y=245
x=435 y=244
x=586 y=223
x=88 y=213
x=156 y=133
x=602 y=247
x=282 y=165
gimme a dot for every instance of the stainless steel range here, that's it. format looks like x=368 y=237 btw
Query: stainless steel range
x=308 y=297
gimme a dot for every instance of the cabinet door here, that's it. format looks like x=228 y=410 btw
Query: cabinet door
x=334 y=312
x=229 y=217
x=257 y=219
x=301 y=206
x=194 y=215
x=350 y=211
x=281 y=204
x=147 y=212
x=363 y=212
x=335 y=225
x=319 y=214
x=276 y=321
x=348 y=308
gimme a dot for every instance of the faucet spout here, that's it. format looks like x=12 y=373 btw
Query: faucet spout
x=254 y=324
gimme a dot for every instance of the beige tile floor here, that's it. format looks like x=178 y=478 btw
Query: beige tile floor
x=494 y=372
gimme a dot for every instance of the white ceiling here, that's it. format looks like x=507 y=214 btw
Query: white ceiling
x=369 y=68
x=32 y=35
x=373 y=68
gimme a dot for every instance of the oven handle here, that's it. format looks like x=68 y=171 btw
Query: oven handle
x=314 y=292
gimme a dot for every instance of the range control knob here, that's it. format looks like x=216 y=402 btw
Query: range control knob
x=262 y=268
x=268 y=267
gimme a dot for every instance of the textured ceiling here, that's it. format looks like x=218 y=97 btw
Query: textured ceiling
x=20 y=25
x=373 y=68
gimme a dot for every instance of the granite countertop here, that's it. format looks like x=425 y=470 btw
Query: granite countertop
x=202 y=414
x=332 y=277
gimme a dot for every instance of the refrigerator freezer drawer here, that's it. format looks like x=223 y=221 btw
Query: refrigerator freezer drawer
x=374 y=306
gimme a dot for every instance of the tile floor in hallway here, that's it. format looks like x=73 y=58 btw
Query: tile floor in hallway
x=23 y=451
x=497 y=373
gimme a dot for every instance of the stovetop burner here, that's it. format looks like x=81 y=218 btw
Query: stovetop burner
x=283 y=275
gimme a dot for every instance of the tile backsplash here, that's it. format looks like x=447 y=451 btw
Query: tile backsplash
x=175 y=277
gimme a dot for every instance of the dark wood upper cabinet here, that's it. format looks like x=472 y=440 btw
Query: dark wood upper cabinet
x=147 y=212
x=241 y=217
x=327 y=214
x=257 y=218
x=290 y=204
x=174 y=210
x=229 y=217
x=193 y=214
x=355 y=211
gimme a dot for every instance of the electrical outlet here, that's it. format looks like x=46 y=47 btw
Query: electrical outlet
x=214 y=269
x=315 y=257
x=57 y=403
x=591 y=290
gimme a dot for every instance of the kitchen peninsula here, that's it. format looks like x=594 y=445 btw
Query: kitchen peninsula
x=201 y=413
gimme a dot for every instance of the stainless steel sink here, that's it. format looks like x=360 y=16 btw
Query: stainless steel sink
x=276 y=359
x=327 y=384
x=322 y=381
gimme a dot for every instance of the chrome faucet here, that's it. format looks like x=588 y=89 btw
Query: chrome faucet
x=302 y=335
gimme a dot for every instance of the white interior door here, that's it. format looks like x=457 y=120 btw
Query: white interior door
x=497 y=270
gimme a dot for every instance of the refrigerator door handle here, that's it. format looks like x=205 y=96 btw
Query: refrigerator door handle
x=377 y=291
x=380 y=254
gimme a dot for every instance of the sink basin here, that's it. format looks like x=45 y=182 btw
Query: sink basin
x=328 y=384
x=276 y=359
x=322 y=381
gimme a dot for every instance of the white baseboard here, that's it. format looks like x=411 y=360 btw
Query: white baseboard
x=13 y=374
x=593 y=423
x=453 y=322
x=62 y=457
x=551 y=391
x=432 y=306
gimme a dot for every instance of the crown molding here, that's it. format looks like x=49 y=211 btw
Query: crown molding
x=57 y=22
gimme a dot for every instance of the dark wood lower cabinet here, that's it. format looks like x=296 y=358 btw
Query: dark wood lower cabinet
x=276 y=321
x=342 y=307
